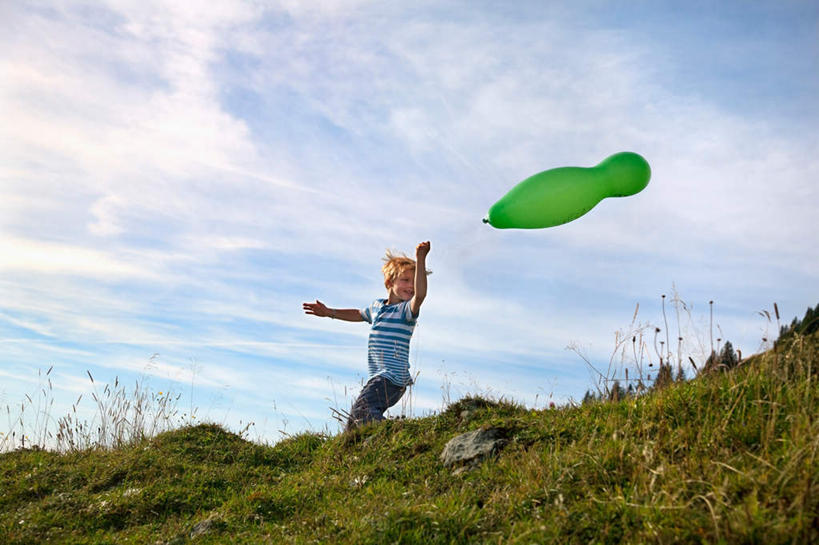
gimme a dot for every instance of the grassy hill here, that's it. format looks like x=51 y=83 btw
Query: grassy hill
x=727 y=457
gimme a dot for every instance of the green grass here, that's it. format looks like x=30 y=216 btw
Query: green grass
x=724 y=458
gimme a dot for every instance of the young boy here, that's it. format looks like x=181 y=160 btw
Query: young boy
x=393 y=321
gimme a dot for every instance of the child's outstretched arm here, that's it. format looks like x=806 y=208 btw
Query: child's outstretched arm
x=421 y=252
x=320 y=309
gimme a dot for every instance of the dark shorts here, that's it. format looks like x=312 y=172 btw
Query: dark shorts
x=378 y=395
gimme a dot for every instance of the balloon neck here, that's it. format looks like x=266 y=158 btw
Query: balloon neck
x=485 y=220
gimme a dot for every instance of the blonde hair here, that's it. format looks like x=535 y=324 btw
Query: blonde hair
x=394 y=265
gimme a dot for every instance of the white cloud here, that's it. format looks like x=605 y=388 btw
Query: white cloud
x=43 y=257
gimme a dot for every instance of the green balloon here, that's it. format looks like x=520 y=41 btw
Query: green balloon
x=560 y=195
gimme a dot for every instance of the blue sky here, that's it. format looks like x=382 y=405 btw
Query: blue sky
x=175 y=180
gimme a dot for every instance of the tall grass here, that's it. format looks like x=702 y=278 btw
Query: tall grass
x=121 y=416
x=648 y=355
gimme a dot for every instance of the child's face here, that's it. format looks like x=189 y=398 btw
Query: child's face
x=403 y=287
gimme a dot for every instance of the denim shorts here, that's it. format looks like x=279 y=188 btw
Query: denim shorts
x=378 y=395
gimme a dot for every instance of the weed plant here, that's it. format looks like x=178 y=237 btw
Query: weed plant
x=122 y=416
x=646 y=356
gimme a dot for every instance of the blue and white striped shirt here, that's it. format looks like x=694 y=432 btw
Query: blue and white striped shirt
x=389 y=344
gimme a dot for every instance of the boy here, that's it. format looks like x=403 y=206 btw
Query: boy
x=393 y=321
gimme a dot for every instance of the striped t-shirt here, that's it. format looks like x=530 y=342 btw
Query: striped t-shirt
x=389 y=344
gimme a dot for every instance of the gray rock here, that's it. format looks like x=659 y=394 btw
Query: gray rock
x=202 y=528
x=472 y=447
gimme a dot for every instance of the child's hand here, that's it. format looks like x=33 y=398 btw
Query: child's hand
x=316 y=309
x=422 y=250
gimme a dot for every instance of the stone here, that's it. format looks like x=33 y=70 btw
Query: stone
x=472 y=447
x=202 y=528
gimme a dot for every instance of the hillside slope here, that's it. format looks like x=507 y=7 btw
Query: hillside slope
x=729 y=457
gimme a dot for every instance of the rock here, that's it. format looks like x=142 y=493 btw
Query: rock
x=202 y=528
x=472 y=447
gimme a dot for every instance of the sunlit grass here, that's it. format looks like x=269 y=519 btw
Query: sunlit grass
x=727 y=457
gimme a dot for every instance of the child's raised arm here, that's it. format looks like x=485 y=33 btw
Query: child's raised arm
x=320 y=309
x=421 y=252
